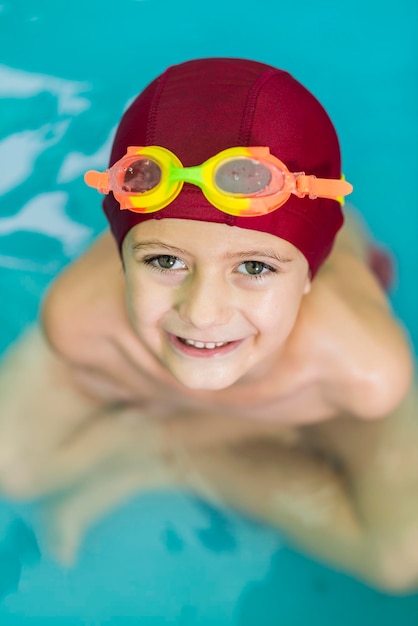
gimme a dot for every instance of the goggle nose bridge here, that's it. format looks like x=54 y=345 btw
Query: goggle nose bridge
x=193 y=174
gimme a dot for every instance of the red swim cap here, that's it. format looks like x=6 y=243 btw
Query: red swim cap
x=198 y=108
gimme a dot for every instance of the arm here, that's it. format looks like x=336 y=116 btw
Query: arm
x=347 y=493
x=51 y=433
x=380 y=462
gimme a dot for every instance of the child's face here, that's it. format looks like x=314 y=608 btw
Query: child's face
x=213 y=303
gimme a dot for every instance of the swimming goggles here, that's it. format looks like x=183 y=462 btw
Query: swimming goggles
x=238 y=181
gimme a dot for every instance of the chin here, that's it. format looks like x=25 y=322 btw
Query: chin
x=205 y=384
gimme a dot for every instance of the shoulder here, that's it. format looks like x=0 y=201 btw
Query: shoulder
x=366 y=363
x=86 y=302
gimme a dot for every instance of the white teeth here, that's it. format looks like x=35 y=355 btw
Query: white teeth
x=209 y=346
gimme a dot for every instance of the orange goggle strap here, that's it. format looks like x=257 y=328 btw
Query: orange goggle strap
x=173 y=175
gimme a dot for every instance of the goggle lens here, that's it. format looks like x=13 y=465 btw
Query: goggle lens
x=242 y=176
x=140 y=176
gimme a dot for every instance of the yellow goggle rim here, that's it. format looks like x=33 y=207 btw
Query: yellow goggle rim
x=173 y=175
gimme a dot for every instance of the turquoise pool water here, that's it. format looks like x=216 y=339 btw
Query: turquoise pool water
x=67 y=71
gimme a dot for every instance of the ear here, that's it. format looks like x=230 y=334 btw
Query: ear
x=308 y=284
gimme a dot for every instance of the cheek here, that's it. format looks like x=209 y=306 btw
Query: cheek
x=145 y=304
x=135 y=302
x=275 y=315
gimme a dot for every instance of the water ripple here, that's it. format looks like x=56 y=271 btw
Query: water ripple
x=76 y=163
x=45 y=214
x=18 y=152
x=16 y=83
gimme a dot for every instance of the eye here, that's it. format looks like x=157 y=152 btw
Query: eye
x=255 y=268
x=165 y=262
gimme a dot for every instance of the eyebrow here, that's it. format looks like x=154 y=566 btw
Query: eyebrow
x=269 y=253
x=157 y=244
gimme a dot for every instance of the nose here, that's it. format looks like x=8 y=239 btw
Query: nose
x=204 y=301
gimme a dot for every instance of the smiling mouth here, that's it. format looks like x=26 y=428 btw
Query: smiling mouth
x=192 y=348
x=210 y=345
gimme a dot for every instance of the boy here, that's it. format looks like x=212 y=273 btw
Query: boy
x=231 y=342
